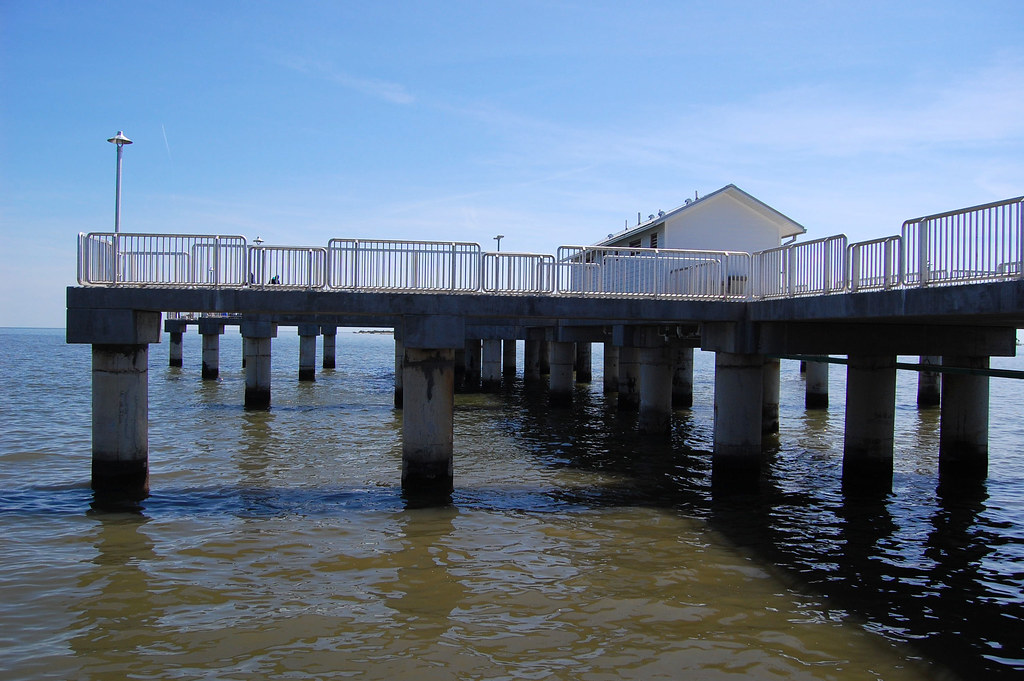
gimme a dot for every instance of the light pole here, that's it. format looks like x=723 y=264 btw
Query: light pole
x=120 y=140
x=498 y=239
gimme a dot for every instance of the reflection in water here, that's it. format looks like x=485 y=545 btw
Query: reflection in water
x=278 y=544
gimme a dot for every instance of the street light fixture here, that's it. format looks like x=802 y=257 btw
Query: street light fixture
x=120 y=140
x=498 y=239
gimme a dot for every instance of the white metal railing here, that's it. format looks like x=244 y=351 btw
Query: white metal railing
x=971 y=244
x=593 y=270
x=810 y=268
x=875 y=264
x=130 y=259
x=518 y=273
x=403 y=265
x=287 y=267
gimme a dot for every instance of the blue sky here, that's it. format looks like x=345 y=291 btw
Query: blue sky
x=549 y=122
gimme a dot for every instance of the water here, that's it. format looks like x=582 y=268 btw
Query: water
x=277 y=544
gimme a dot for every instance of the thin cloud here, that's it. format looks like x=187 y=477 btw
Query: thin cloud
x=396 y=93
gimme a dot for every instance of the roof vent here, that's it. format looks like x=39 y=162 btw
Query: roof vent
x=661 y=213
x=689 y=201
x=651 y=216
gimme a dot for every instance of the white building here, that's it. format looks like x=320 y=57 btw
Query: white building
x=725 y=220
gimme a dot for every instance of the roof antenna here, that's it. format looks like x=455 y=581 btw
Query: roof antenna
x=638 y=217
x=695 y=197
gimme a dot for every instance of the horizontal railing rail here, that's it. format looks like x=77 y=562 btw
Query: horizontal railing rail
x=980 y=243
x=971 y=244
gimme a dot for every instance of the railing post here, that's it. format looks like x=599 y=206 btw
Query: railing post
x=790 y=271
x=887 y=264
x=216 y=262
x=922 y=253
x=1020 y=239
x=855 y=257
x=826 y=249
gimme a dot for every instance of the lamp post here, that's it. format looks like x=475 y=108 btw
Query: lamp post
x=498 y=239
x=120 y=140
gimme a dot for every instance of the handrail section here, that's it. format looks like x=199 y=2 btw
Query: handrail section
x=979 y=243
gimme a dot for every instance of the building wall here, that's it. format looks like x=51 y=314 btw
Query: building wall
x=721 y=225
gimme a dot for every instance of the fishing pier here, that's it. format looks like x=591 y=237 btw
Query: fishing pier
x=949 y=288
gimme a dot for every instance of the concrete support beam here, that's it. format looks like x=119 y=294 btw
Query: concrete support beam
x=584 y=362
x=120 y=421
x=682 y=376
x=427 y=421
x=399 y=372
x=963 y=429
x=816 y=387
x=508 y=357
x=560 y=384
x=611 y=367
x=629 y=379
x=870 y=413
x=330 y=334
x=545 y=358
x=929 y=390
x=736 y=461
x=307 y=351
x=770 y=385
x=531 y=368
x=655 y=391
x=491 y=371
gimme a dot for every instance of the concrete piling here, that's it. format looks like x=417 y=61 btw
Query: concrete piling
x=870 y=415
x=307 y=351
x=531 y=368
x=491 y=365
x=682 y=377
x=257 y=335
x=584 y=363
x=611 y=368
x=211 y=331
x=963 y=429
x=770 y=388
x=471 y=379
x=736 y=462
x=330 y=334
x=655 y=391
x=629 y=379
x=508 y=357
x=816 y=393
x=399 y=371
x=560 y=380
x=120 y=421
x=427 y=420
x=929 y=390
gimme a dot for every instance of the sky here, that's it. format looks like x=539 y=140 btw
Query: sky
x=549 y=122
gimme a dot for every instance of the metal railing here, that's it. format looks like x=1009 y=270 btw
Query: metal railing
x=810 y=268
x=518 y=273
x=129 y=259
x=403 y=265
x=971 y=244
x=593 y=270
x=875 y=264
x=287 y=267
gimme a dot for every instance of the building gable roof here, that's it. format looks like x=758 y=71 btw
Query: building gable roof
x=787 y=226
